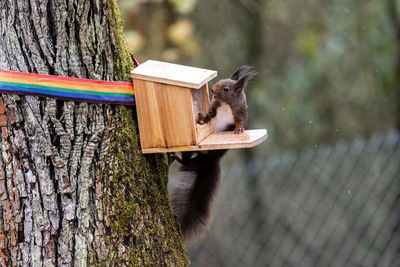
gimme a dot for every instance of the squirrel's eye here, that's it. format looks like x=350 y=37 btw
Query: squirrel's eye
x=226 y=89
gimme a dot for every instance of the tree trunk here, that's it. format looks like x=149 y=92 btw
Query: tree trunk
x=74 y=186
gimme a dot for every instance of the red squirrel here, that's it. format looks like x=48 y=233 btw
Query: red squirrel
x=199 y=173
x=228 y=105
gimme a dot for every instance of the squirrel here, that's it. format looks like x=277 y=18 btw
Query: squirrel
x=229 y=105
x=199 y=173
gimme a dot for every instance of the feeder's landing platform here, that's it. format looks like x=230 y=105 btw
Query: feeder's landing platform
x=219 y=140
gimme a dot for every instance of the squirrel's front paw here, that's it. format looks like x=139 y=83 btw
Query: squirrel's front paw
x=200 y=118
x=238 y=130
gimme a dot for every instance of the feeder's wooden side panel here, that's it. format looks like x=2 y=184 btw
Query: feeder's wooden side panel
x=201 y=100
x=203 y=131
x=176 y=112
x=201 y=104
x=206 y=96
x=151 y=133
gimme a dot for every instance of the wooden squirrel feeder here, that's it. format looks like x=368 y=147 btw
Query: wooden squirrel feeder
x=168 y=98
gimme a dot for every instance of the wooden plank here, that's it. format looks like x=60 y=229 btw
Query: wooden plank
x=206 y=97
x=220 y=140
x=201 y=104
x=169 y=149
x=149 y=119
x=173 y=74
x=203 y=131
x=176 y=112
x=200 y=100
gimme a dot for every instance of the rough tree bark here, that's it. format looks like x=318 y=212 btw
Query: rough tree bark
x=74 y=187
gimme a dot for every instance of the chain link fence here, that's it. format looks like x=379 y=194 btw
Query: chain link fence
x=325 y=206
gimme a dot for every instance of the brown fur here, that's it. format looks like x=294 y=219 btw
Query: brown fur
x=231 y=91
x=200 y=172
x=192 y=199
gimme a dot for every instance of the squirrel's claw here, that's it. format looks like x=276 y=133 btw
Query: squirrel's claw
x=238 y=130
x=178 y=157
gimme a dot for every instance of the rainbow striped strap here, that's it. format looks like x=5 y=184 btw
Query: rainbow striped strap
x=66 y=88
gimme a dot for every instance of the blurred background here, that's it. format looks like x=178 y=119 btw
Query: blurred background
x=324 y=189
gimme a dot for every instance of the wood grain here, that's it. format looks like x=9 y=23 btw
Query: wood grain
x=173 y=74
x=203 y=131
x=148 y=112
x=200 y=101
x=176 y=113
x=220 y=140
x=201 y=104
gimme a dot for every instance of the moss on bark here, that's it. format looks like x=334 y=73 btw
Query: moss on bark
x=74 y=171
x=122 y=58
x=136 y=202
x=137 y=205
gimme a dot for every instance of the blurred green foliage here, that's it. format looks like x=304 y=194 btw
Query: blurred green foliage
x=326 y=69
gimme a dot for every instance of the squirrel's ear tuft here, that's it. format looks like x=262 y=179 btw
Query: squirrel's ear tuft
x=240 y=72
x=242 y=82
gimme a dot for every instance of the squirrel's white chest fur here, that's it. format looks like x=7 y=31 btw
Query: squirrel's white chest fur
x=224 y=118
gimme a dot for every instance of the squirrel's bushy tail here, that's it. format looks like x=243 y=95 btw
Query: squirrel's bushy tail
x=192 y=198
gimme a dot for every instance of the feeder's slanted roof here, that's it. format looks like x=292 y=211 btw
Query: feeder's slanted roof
x=168 y=73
